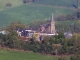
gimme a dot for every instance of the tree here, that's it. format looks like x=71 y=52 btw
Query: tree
x=46 y=46
x=76 y=47
x=15 y=25
x=10 y=40
x=27 y=1
x=65 y=48
x=8 y=4
x=59 y=38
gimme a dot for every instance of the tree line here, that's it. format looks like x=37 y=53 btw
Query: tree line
x=55 y=45
x=61 y=26
x=27 y=1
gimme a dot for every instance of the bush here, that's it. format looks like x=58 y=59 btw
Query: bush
x=62 y=58
x=8 y=4
x=75 y=57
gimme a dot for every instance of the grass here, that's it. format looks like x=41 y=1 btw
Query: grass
x=66 y=3
x=31 y=12
x=27 y=13
x=13 y=2
x=17 y=55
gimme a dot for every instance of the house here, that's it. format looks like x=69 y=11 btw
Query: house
x=25 y=33
x=3 y=32
x=68 y=34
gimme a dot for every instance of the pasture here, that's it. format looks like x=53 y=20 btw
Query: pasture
x=64 y=3
x=31 y=12
x=17 y=55
x=13 y=2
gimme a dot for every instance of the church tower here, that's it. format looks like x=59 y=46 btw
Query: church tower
x=52 y=25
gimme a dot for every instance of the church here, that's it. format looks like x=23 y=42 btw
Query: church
x=49 y=28
x=45 y=30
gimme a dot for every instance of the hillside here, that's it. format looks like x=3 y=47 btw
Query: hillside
x=13 y=3
x=38 y=10
x=66 y=3
x=61 y=3
x=30 y=12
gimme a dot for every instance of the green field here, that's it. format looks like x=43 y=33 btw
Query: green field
x=13 y=2
x=31 y=12
x=17 y=55
x=66 y=3
x=39 y=10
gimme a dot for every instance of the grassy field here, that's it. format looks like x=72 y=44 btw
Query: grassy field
x=31 y=12
x=17 y=55
x=39 y=10
x=13 y=2
x=66 y=3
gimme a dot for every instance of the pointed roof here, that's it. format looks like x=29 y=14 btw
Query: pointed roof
x=52 y=18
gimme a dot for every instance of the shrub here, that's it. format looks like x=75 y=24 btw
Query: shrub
x=8 y=4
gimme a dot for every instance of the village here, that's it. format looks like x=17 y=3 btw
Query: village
x=39 y=30
x=44 y=30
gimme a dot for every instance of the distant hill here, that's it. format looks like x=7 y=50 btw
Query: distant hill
x=16 y=10
x=28 y=13
x=14 y=3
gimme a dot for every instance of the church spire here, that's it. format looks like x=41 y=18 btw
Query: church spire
x=52 y=24
x=52 y=18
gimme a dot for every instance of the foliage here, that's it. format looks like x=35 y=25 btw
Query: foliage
x=9 y=40
x=15 y=25
x=8 y=4
x=76 y=46
x=55 y=45
x=27 y=1
x=62 y=58
x=61 y=26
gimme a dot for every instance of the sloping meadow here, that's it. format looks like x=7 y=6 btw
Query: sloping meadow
x=28 y=13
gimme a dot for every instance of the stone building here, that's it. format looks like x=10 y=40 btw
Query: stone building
x=49 y=28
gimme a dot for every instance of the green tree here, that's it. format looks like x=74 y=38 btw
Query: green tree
x=15 y=25
x=10 y=40
x=76 y=47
